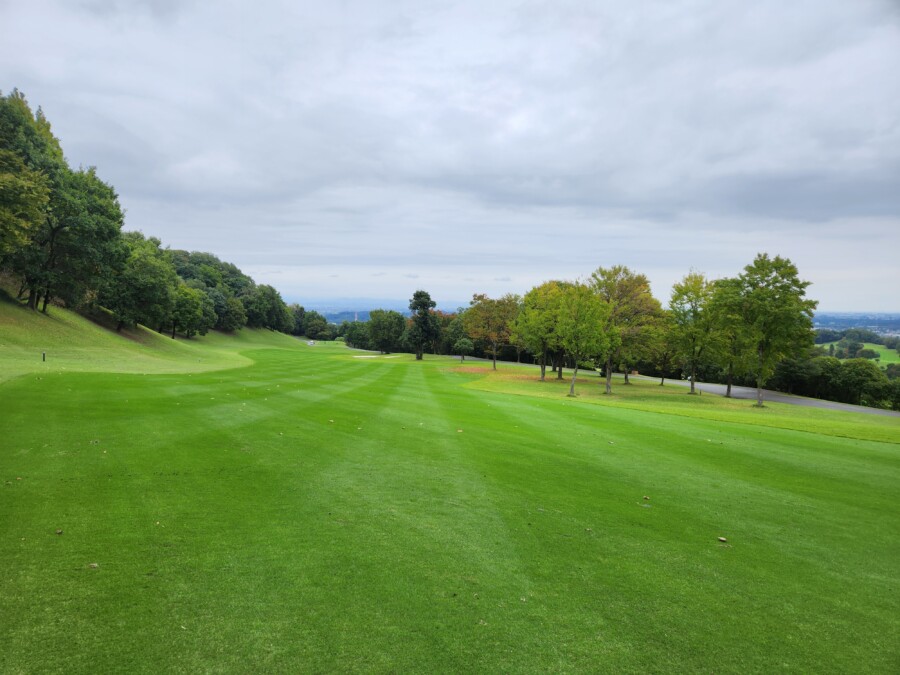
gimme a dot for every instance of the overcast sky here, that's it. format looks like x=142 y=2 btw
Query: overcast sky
x=368 y=149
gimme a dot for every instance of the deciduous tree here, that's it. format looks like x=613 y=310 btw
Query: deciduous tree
x=463 y=347
x=693 y=328
x=490 y=320
x=385 y=327
x=144 y=290
x=536 y=325
x=633 y=310
x=581 y=314
x=777 y=316
x=24 y=195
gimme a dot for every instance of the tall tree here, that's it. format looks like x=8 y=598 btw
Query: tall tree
x=298 y=313
x=193 y=312
x=144 y=290
x=632 y=311
x=79 y=244
x=385 y=327
x=452 y=333
x=662 y=350
x=356 y=334
x=536 y=325
x=693 y=326
x=777 y=316
x=581 y=312
x=490 y=320
x=232 y=317
x=266 y=309
x=29 y=136
x=424 y=327
x=24 y=195
x=731 y=349
x=315 y=325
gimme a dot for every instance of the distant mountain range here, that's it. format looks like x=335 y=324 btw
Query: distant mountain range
x=337 y=310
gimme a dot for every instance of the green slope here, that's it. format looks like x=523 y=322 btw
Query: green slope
x=886 y=355
x=72 y=342
x=319 y=512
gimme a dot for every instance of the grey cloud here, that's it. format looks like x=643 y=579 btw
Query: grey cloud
x=491 y=142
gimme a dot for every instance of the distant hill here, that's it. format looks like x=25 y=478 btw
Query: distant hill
x=337 y=310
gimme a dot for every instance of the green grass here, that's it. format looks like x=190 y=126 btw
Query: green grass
x=673 y=399
x=74 y=343
x=313 y=511
x=886 y=355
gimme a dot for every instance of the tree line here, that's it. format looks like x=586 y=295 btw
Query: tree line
x=62 y=240
x=752 y=329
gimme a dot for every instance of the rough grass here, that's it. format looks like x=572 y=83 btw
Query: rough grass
x=318 y=512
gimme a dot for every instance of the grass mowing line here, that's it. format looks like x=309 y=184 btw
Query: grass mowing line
x=649 y=397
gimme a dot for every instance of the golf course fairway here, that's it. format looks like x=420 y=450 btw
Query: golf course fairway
x=281 y=507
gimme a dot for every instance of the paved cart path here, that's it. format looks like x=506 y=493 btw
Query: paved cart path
x=778 y=397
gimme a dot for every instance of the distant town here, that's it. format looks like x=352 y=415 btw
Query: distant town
x=881 y=323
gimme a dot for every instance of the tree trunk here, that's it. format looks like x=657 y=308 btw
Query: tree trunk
x=559 y=366
x=120 y=326
x=662 y=380
x=32 y=298
x=759 y=396
x=173 y=330
x=46 y=301
x=693 y=378
x=543 y=366
x=574 y=375
x=729 y=379
x=494 y=354
x=462 y=357
x=627 y=381
x=419 y=353
x=609 y=375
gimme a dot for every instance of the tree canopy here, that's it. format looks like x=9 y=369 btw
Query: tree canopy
x=777 y=316
x=491 y=320
x=424 y=326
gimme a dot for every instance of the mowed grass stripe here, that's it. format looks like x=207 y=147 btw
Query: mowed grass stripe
x=427 y=506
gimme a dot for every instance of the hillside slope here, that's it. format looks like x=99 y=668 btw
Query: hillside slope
x=72 y=342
